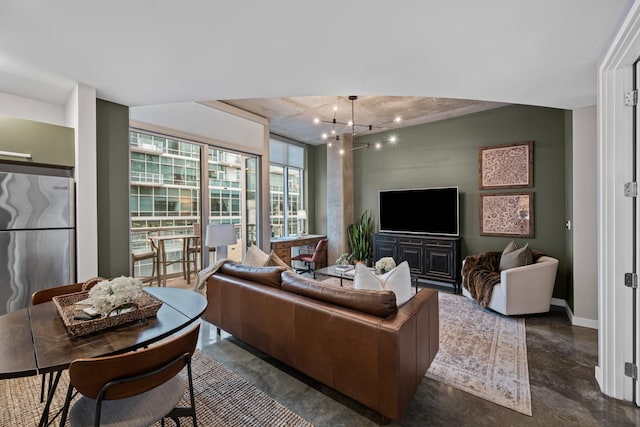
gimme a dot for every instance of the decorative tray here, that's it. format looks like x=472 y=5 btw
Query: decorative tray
x=147 y=306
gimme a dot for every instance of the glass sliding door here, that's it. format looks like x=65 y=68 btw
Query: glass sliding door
x=232 y=197
x=167 y=198
x=164 y=196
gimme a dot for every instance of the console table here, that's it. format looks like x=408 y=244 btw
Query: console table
x=434 y=258
x=282 y=246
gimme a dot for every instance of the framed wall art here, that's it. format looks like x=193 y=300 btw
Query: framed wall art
x=506 y=166
x=506 y=214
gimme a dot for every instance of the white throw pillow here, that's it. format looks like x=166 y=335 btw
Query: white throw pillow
x=255 y=257
x=397 y=280
x=364 y=278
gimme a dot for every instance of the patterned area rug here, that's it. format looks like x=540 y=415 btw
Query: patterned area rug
x=482 y=353
x=223 y=398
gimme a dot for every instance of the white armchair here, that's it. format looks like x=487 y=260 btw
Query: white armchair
x=524 y=290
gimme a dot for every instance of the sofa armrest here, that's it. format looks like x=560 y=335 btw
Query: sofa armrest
x=408 y=343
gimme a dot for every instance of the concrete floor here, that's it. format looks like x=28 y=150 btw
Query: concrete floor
x=561 y=360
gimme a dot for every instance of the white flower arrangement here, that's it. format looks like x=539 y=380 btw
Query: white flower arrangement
x=119 y=292
x=385 y=264
x=343 y=259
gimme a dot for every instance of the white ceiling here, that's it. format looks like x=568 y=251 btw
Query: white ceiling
x=144 y=52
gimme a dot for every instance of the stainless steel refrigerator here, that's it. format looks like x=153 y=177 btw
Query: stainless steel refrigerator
x=37 y=236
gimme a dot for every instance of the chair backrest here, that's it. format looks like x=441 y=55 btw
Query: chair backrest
x=45 y=295
x=321 y=248
x=152 y=244
x=135 y=372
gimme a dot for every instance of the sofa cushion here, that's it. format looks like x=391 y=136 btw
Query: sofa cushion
x=378 y=303
x=275 y=260
x=513 y=257
x=397 y=280
x=255 y=257
x=269 y=276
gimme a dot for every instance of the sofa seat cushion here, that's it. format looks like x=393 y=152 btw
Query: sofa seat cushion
x=377 y=303
x=270 y=276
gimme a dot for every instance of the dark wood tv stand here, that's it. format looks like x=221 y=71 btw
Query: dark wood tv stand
x=435 y=258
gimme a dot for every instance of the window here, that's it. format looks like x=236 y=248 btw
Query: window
x=286 y=187
x=167 y=198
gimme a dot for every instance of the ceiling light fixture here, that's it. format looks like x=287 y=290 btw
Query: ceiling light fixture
x=336 y=131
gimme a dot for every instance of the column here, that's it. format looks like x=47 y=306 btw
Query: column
x=339 y=196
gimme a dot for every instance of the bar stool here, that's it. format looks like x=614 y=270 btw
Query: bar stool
x=141 y=256
x=192 y=250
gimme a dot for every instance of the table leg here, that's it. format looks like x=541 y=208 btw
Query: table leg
x=44 y=418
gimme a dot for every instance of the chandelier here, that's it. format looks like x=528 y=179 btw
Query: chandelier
x=338 y=128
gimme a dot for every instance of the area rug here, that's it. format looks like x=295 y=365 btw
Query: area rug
x=482 y=353
x=223 y=398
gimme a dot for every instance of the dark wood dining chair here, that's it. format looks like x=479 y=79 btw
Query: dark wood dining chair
x=133 y=389
x=46 y=295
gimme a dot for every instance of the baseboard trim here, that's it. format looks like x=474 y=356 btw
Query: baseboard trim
x=598 y=375
x=576 y=321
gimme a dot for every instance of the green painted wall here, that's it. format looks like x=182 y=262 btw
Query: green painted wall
x=445 y=153
x=318 y=188
x=112 y=152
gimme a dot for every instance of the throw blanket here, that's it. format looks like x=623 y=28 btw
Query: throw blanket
x=203 y=275
x=481 y=273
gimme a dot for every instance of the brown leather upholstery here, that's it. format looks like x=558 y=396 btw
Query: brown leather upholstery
x=267 y=275
x=378 y=303
x=377 y=361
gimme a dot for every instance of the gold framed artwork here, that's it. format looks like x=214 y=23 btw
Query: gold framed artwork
x=506 y=166
x=506 y=214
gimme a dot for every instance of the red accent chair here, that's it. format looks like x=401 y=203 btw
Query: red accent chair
x=310 y=259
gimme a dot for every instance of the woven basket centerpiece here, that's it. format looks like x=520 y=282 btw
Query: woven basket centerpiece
x=140 y=305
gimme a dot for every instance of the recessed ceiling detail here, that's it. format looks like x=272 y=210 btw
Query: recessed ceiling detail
x=294 y=117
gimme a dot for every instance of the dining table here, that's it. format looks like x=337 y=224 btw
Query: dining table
x=34 y=340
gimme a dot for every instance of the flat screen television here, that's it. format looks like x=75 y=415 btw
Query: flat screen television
x=419 y=210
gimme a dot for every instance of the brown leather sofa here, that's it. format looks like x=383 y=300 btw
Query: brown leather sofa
x=354 y=341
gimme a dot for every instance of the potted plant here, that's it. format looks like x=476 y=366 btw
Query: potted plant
x=360 y=237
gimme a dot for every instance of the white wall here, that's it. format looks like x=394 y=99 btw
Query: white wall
x=30 y=109
x=585 y=244
x=79 y=113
